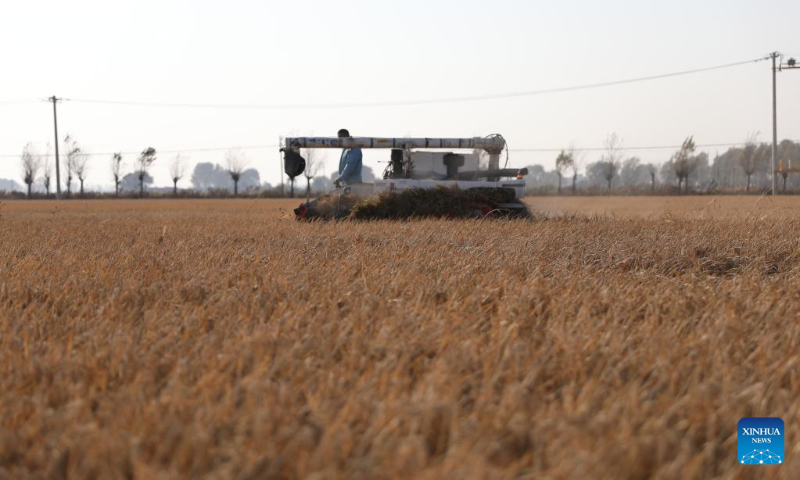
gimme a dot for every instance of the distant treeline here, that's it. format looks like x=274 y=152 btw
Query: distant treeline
x=739 y=169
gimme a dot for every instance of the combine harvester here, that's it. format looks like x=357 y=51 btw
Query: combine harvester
x=424 y=177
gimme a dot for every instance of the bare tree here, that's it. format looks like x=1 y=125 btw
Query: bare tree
x=785 y=175
x=73 y=151
x=47 y=173
x=236 y=163
x=612 y=157
x=764 y=159
x=81 y=161
x=787 y=150
x=652 y=170
x=30 y=165
x=575 y=166
x=683 y=162
x=177 y=169
x=563 y=161
x=116 y=171
x=143 y=162
x=749 y=158
x=313 y=163
x=630 y=171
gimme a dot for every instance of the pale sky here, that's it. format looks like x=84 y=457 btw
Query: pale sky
x=267 y=52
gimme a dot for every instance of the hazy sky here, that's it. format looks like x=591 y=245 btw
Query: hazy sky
x=268 y=52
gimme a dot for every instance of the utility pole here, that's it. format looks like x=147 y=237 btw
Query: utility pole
x=55 y=100
x=774 y=56
x=777 y=67
x=790 y=65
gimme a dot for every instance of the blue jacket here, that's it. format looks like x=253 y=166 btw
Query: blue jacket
x=350 y=166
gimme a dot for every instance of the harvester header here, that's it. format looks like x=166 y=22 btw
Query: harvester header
x=494 y=144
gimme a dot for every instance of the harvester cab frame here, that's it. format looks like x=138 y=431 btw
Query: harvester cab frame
x=420 y=162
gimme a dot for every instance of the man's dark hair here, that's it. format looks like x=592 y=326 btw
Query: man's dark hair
x=343 y=133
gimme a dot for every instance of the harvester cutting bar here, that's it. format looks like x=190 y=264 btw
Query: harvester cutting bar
x=490 y=144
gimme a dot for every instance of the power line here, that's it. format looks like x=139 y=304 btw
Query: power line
x=432 y=101
x=185 y=150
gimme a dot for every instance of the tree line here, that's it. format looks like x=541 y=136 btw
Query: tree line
x=75 y=167
x=744 y=167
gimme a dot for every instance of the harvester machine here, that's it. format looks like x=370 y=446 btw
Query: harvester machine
x=422 y=163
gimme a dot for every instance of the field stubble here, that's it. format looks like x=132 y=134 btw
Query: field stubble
x=221 y=339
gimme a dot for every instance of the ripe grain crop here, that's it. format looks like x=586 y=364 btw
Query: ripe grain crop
x=701 y=207
x=222 y=339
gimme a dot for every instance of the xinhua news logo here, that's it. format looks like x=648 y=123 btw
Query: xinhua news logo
x=761 y=441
